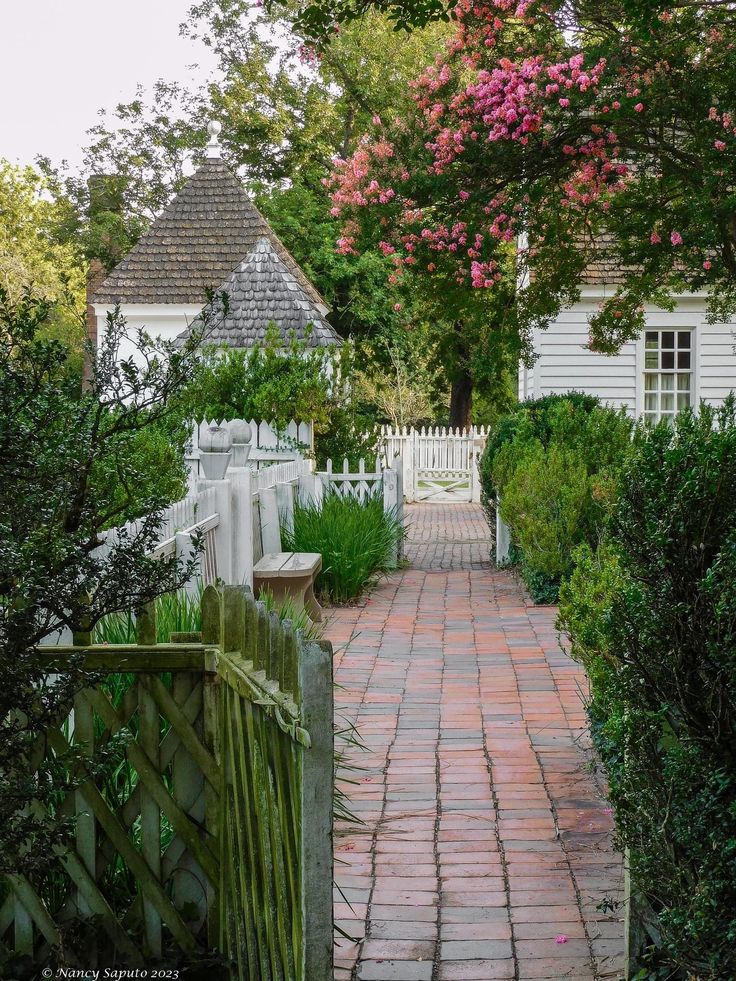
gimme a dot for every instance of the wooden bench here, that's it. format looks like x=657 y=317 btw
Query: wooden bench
x=290 y=575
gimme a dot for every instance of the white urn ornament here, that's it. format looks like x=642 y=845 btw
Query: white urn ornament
x=241 y=436
x=215 y=451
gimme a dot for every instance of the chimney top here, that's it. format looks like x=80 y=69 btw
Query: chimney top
x=214 y=128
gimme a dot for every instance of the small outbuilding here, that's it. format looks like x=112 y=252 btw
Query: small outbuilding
x=212 y=237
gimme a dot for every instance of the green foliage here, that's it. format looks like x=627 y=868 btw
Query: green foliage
x=356 y=540
x=301 y=383
x=66 y=475
x=652 y=616
x=264 y=382
x=535 y=413
x=36 y=258
x=553 y=464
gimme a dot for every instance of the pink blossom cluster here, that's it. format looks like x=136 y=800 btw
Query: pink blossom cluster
x=507 y=102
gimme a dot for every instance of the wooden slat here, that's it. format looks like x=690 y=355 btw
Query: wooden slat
x=26 y=895
x=148 y=737
x=127 y=658
x=85 y=830
x=181 y=725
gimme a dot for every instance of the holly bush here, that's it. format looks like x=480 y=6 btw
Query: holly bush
x=652 y=616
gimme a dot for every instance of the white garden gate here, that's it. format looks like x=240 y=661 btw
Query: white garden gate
x=440 y=465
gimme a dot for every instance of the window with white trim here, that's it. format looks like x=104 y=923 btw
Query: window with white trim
x=668 y=373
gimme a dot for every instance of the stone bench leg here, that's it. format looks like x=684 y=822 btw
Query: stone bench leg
x=297 y=589
x=310 y=601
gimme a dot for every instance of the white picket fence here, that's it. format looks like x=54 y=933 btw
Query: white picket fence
x=361 y=484
x=439 y=464
x=385 y=481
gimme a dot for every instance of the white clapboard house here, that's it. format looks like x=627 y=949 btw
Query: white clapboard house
x=678 y=360
x=212 y=237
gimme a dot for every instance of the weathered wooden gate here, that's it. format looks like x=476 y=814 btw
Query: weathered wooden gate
x=440 y=465
x=215 y=830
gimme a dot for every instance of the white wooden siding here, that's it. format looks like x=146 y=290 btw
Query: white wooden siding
x=564 y=362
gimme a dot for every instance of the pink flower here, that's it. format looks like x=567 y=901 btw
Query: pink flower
x=707 y=264
x=654 y=238
x=463 y=195
x=561 y=939
x=639 y=107
x=564 y=103
x=397 y=307
x=676 y=238
x=376 y=120
x=719 y=145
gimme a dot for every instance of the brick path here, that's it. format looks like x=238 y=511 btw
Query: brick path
x=485 y=836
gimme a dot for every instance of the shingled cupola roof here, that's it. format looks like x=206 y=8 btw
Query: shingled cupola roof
x=264 y=291
x=196 y=242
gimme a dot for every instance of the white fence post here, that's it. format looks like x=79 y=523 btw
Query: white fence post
x=185 y=552
x=391 y=501
x=269 y=511
x=285 y=502
x=474 y=478
x=223 y=531
x=242 y=526
x=503 y=537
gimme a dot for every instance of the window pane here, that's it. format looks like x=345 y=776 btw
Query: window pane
x=667 y=383
x=668 y=403
x=683 y=400
x=650 y=402
x=650 y=383
x=650 y=417
x=650 y=360
x=683 y=359
x=668 y=359
x=683 y=382
x=668 y=339
x=683 y=339
x=651 y=339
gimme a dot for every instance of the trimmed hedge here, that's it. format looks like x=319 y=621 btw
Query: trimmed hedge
x=652 y=616
x=552 y=463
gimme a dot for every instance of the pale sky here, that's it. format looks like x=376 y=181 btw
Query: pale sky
x=62 y=60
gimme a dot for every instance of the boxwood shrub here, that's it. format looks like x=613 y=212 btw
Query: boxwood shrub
x=553 y=463
x=652 y=615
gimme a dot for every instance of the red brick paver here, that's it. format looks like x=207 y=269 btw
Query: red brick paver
x=486 y=835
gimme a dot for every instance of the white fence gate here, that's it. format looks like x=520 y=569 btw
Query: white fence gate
x=440 y=465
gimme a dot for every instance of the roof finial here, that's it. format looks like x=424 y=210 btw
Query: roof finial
x=214 y=129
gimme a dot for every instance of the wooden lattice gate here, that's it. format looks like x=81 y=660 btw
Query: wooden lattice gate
x=214 y=832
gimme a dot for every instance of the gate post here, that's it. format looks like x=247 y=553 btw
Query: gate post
x=474 y=477
x=411 y=461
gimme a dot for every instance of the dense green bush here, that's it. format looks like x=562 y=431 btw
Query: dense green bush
x=652 y=616
x=278 y=385
x=356 y=540
x=535 y=413
x=552 y=463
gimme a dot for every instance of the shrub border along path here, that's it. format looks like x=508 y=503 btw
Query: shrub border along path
x=487 y=835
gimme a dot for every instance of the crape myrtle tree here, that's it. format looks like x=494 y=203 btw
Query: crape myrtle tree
x=73 y=463
x=549 y=135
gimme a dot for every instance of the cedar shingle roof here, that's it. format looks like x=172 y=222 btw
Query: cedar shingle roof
x=195 y=243
x=263 y=291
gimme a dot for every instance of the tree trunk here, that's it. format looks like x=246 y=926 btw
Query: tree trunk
x=461 y=399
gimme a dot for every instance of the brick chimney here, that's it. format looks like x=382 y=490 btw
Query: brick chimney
x=95 y=277
x=104 y=196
